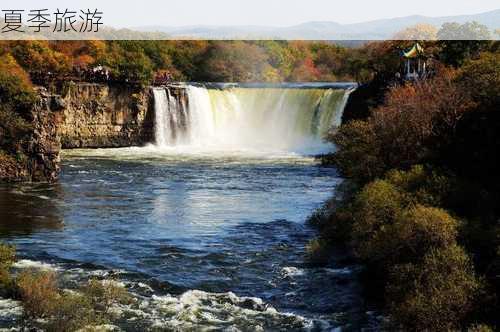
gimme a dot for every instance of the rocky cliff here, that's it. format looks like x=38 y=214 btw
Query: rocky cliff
x=45 y=144
x=37 y=158
x=104 y=116
x=79 y=115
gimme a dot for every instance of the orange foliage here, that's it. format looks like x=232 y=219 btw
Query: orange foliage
x=306 y=71
x=9 y=67
x=83 y=61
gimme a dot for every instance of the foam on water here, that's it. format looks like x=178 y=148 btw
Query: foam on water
x=191 y=310
x=180 y=154
x=10 y=311
x=30 y=264
x=291 y=271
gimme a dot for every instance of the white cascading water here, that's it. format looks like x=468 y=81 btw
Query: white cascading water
x=162 y=122
x=242 y=118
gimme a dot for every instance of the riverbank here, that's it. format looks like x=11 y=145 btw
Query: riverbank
x=419 y=208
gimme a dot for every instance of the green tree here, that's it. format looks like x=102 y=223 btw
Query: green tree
x=481 y=79
x=460 y=42
x=280 y=57
x=128 y=62
x=435 y=294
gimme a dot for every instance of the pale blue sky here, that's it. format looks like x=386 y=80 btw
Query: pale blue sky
x=255 y=12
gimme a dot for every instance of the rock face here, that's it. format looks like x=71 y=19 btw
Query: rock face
x=104 y=116
x=82 y=115
x=45 y=144
x=38 y=155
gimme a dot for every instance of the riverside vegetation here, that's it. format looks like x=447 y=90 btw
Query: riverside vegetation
x=420 y=206
x=48 y=306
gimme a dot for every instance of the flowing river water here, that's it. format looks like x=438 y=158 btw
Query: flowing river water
x=204 y=239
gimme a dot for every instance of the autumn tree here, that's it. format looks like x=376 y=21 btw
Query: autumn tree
x=236 y=61
x=16 y=99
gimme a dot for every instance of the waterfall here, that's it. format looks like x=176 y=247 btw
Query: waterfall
x=242 y=118
x=161 y=118
x=171 y=118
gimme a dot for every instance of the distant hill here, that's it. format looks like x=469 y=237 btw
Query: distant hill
x=351 y=33
x=377 y=29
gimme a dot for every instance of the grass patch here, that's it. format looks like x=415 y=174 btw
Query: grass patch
x=7 y=258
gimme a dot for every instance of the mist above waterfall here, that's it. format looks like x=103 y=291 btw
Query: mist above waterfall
x=235 y=118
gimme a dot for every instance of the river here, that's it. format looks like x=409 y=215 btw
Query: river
x=204 y=239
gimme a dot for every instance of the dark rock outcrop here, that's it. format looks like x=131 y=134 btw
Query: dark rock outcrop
x=363 y=99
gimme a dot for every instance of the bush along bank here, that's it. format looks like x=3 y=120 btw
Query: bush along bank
x=419 y=206
x=47 y=306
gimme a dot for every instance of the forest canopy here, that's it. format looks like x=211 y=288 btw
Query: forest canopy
x=238 y=61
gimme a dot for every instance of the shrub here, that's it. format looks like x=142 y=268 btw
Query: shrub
x=357 y=151
x=38 y=292
x=128 y=62
x=389 y=227
x=427 y=187
x=460 y=42
x=435 y=294
x=72 y=312
x=334 y=220
x=472 y=152
x=7 y=258
x=102 y=294
x=419 y=229
x=37 y=56
x=13 y=129
x=67 y=310
x=340 y=225
x=375 y=209
x=321 y=216
x=417 y=118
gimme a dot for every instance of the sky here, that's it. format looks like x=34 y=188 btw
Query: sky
x=122 y=13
